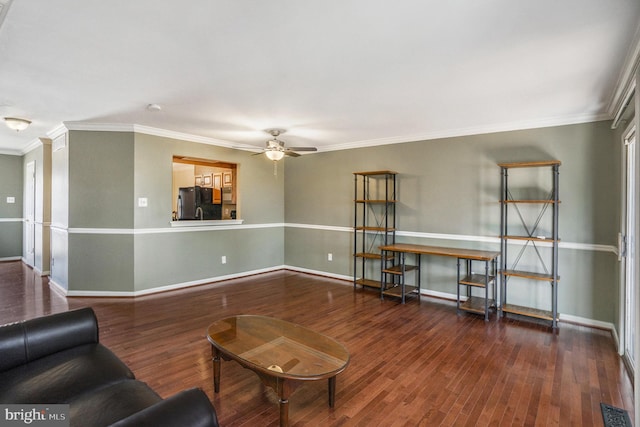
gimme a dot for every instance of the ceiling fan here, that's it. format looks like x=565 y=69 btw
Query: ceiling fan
x=276 y=150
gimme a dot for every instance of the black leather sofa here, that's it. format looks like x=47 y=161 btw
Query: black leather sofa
x=58 y=359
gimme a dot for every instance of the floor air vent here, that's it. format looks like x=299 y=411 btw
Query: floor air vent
x=614 y=417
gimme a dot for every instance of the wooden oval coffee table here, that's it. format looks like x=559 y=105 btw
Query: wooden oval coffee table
x=281 y=353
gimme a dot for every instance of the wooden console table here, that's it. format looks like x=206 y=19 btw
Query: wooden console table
x=470 y=279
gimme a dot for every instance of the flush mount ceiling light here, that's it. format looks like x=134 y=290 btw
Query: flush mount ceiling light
x=16 y=123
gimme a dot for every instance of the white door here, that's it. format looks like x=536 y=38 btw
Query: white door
x=30 y=206
x=627 y=245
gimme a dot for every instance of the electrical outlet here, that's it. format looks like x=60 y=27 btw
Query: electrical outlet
x=11 y=199
x=142 y=202
x=223 y=259
x=329 y=256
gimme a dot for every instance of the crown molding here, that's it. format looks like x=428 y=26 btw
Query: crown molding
x=99 y=127
x=38 y=142
x=21 y=152
x=165 y=133
x=11 y=152
x=57 y=131
x=478 y=130
x=135 y=128
x=626 y=80
x=441 y=134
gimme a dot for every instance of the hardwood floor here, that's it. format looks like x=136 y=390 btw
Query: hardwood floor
x=411 y=365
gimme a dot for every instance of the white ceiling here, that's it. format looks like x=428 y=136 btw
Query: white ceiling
x=335 y=73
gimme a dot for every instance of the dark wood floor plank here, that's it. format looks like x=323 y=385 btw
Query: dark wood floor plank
x=412 y=364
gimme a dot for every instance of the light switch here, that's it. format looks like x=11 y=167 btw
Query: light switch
x=11 y=199
x=142 y=202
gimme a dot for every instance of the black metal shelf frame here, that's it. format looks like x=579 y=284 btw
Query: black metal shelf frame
x=531 y=241
x=374 y=222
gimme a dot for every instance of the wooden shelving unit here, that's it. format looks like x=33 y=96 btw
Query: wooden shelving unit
x=394 y=275
x=374 y=224
x=531 y=239
x=485 y=282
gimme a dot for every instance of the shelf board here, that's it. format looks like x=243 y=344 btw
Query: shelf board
x=369 y=283
x=528 y=311
x=532 y=239
x=539 y=201
x=397 y=269
x=396 y=291
x=368 y=228
x=530 y=164
x=373 y=173
x=475 y=305
x=381 y=201
x=530 y=275
x=476 y=280
x=378 y=256
x=368 y=255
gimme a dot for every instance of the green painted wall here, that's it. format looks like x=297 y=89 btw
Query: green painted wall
x=260 y=193
x=114 y=245
x=452 y=186
x=101 y=179
x=445 y=186
x=11 y=183
x=165 y=259
x=101 y=262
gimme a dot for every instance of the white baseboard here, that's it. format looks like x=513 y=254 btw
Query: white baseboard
x=348 y=280
x=40 y=272
x=10 y=258
x=57 y=287
x=88 y=293
x=319 y=273
x=616 y=340
x=598 y=324
x=583 y=321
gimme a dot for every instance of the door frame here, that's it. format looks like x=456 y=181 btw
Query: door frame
x=30 y=213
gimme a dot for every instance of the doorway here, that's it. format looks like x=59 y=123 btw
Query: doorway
x=30 y=220
x=628 y=247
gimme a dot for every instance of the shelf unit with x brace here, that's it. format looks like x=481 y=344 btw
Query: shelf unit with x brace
x=374 y=224
x=536 y=246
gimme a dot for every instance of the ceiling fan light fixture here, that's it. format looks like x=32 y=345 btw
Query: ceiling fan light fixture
x=274 y=155
x=16 y=124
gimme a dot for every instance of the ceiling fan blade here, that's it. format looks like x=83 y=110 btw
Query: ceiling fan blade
x=291 y=153
x=302 y=149
x=257 y=154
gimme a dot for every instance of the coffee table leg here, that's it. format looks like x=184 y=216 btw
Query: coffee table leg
x=332 y=391
x=283 y=388
x=284 y=412
x=216 y=368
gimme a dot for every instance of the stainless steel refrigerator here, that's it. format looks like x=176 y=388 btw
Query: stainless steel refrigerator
x=195 y=203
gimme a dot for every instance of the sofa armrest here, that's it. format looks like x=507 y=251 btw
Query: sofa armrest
x=189 y=408
x=29 y=340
